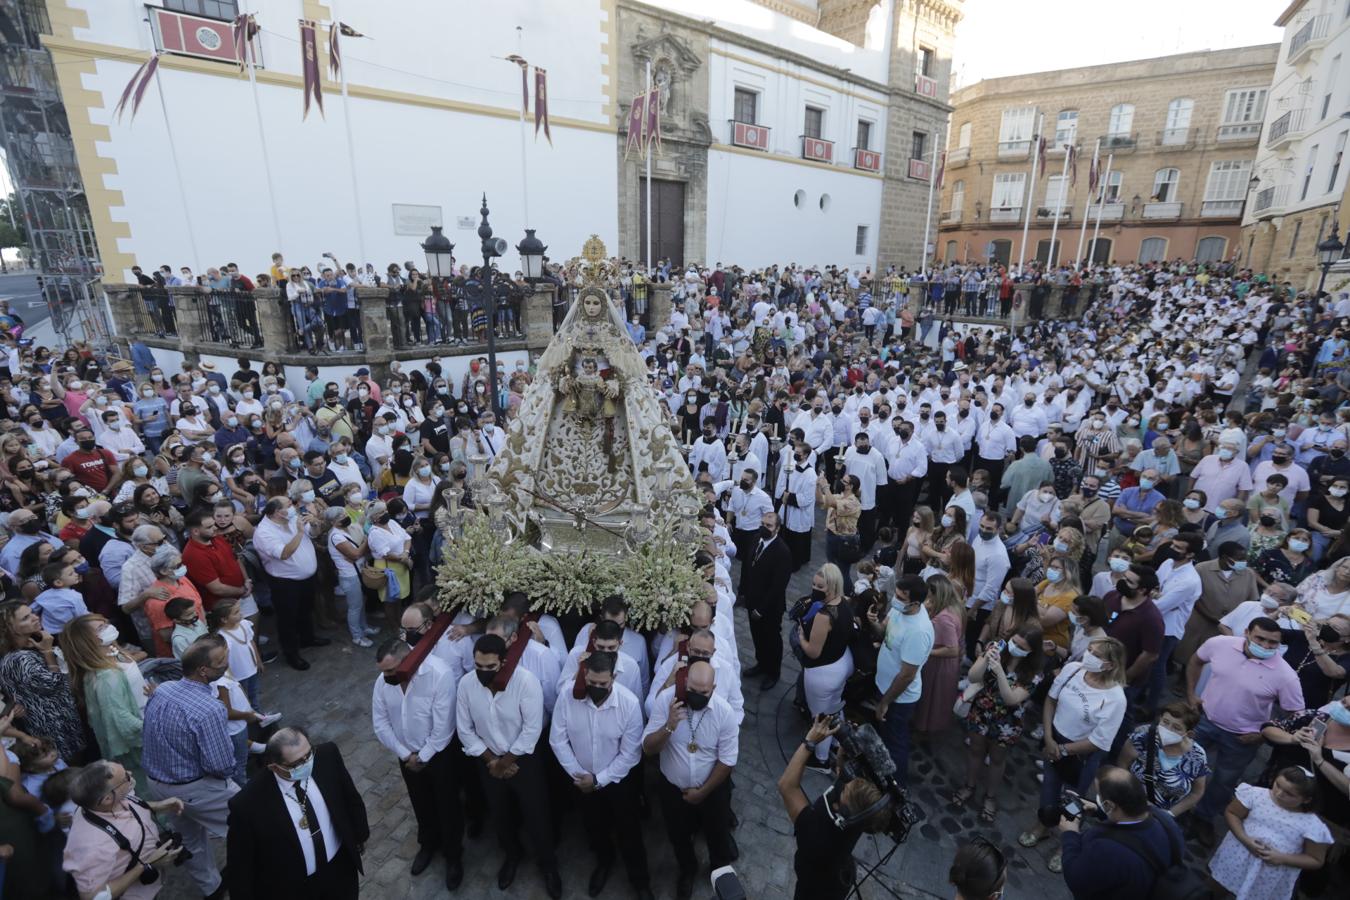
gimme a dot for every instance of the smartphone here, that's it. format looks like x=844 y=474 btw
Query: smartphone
x=1000 y=645
x=1319 y=729
x=1073 y=807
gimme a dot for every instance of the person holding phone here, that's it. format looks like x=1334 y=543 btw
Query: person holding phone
x=30 y=674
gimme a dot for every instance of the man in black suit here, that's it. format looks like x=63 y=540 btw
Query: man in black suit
x=297 y=828
x=765 y=571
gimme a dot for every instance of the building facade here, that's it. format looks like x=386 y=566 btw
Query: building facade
x=1300 y=164
x=791 y=131
x=1180 y=134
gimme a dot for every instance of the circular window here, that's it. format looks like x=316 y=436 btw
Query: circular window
x=798 y=199
x=824 y=202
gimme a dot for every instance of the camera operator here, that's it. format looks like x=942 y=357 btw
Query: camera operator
x=114 y=846
x=1132 y=849
x=827 y=828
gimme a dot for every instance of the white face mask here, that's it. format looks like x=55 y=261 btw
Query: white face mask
x=1269 y=603
x=1337 y=492
x=307 y=496
x=107 y=634
x=1093 y=663
x=1168 y=737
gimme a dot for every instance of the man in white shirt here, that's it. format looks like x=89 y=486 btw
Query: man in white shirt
x=748 y=506
x=945 y=449
x=416 y=721
x=536 y=658
x=499 y=715
x=991 y=568
x=597 y=740
x=614 y=608
x=1028 y=418
x=700 y=645
x=699 y=743
x=995 y=445
x=906 y=472
x=287 y=555
x=708 y=453
x=605 y=637
x=1179 y=589
x=799 y=505
x=869 y=467
x=115 y=437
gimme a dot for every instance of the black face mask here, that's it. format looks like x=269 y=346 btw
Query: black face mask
x=695 y=700
x=597 y=695
x=837 y=409
x=1336 y=453
x=994 y=416
x=766 y=533
x=391 y=679
x=1060 y=453
x=86 y=445
x=747 y=485
x=32 y=526
x=1124 y=587
x=1328 y=635
x=485 y=677
x=986 y=535
x=818 y=595
x=940 y=426
x=1267 y=521
x=906 y=435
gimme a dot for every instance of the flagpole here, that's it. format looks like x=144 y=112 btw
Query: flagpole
x=928 y=216
x=1101 y=202
x=335 y=22
x=1059 y=206
x=646 y=115
x=173 y=157
x=249 y=61
x=524 y=178
x=1028 y=197
x=1087 y=204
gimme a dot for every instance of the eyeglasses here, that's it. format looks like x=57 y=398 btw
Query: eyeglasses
x=289 y=766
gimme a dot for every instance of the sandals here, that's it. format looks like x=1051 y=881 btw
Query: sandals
x=1056 y=863
x=990 y=811
x=1031 y=839
x=962 y=796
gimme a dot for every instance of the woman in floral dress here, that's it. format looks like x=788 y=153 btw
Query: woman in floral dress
x=1273 y=836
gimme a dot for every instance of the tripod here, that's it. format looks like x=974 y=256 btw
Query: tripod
x=871 y=872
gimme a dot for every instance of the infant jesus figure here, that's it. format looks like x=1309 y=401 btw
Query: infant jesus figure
x=592 y=396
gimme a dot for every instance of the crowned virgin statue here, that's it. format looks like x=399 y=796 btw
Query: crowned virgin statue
x=590 y=445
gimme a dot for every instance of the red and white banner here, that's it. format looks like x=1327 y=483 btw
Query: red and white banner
x=756 y=137
x=920 y=169
x=653 y=131
x=867 y=160
x=817 y=149
x=925 y=86
x=195 y=36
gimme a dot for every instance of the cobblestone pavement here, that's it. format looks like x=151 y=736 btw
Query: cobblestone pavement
x=332 y=700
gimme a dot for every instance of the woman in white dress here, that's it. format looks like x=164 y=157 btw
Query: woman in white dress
x=1273 y=836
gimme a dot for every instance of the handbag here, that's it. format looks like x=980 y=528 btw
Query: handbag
x=961 y=709
x=372 y=577
x=850 y=549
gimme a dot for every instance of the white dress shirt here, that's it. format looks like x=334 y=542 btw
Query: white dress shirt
x=801 y=483
x=506 y=722
x=1179 y=588
x=420 y=719
x=727 y=685
x=713 y=730
x=909 y=461
x=1027 y=420
x=712 y=452
x=991 y=567
x=634 y=646
x=604 y=741
x=270 y=539
x=944 y=446
x=750 y=507
x=995 y=441
x=870 y=470
x=539 y=661
x=122 y=442
x=296 y=810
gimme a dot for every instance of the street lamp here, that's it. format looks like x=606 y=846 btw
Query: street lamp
x=1328 y=254
x=440 y=254
x=492 y=248
x=531 y=252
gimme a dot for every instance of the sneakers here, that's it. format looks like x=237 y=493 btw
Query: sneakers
x=371 y=631
x=269 y=719
x=363 y=642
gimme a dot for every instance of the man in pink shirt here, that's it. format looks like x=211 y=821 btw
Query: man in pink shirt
x=1222 y=476
x=1248 y=676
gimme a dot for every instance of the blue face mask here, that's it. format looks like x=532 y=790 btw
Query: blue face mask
x=82 y=568
x=1340 y=713
x=303 y=771
x=1053 y=575
x=1240 y=565
x=1146 y=484
x=1258 y=651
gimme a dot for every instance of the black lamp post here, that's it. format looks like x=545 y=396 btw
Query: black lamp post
x=440 y=260
x=492 y=248
x=531 y=251
x=1328 y=254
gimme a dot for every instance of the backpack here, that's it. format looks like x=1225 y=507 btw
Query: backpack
x=1173 y=880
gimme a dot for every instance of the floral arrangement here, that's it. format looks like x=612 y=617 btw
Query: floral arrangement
x=657 y=577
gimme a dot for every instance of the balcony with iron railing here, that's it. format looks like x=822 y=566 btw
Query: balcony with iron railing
x=1119 y=141
x=1286 y=128
x=1113 y=211
x=1175 y=139
x=1238 y=132
x=1311 y=36
x=1165 y=210
x=1014 y=149
x=1271 y=200
x=1048 y=212
x=1220 y=209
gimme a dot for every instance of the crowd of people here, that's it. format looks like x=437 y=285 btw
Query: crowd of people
x=1117 y=542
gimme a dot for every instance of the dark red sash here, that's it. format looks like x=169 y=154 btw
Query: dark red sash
x=514 y=653
x=579 y=683
x=410 y=664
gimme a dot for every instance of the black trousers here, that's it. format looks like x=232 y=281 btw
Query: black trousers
x=335 y=879
x=995 y=469
x=867 y=529
x=938 y=492
x=293 y=600
x=434 y=795
x=521 y=800
x=713 y=815
x=799 y=542
x=906 y=498
x=766 y=632
x=611 y=813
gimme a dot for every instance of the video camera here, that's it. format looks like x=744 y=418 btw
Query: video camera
x=863 y=755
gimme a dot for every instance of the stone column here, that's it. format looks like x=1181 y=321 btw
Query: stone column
x=273 y=311
x=190 y=334
x=124 y=319
x=537 y=312
x=1021 y=311
x=1054 y=304
x=376 y=331
x=658 y=305
x=917 y=293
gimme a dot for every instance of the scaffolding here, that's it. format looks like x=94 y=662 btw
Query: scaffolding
x=45 y=173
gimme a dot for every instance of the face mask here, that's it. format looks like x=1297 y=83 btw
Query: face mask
x=1053 y=575
x=1226 y=453
x=986 y=535
x=340 y=459
x=1240 y=565
x=947 y=521
x=1061 y=547
x=424 y=471
x=1098 y=424
x=1191 y=503
x=1337 y=492
x=597 y=695
x=1146 y=484
x=147 y=394
x=1267 y=521
x=1297 y=545
x=307 y=496
x=1005 y=599
x=1339 y=714
x=1093 y=663
x=818 y=595
x=140 y=471
x=86 y=445
x=1269 y=603
x=485 y=677
x=294 y=463
x=180 y=572
x=1328 y=635
x=695 y=700
x=292 y=514
x=1017 y=651
x=248 y=395
x=1258 y=651
x=207 y=457
x=302 y=772
x=1047 y=496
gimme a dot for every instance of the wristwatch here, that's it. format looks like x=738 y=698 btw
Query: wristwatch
x=810 y=745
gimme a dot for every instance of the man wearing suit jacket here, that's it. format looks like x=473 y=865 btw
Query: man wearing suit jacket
x=298 y=827
x=767 y=566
